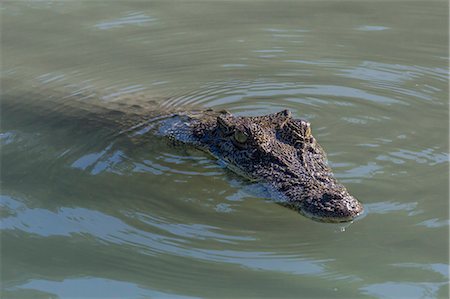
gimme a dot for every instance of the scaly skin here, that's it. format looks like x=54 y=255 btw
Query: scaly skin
x=274 y=149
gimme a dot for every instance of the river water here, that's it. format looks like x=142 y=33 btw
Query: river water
x=85 y=217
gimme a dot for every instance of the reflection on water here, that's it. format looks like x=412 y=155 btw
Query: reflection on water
x=104 y=288
x=85 y=212
x=132 y=18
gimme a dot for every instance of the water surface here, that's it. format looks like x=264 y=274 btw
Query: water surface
x=84 y=215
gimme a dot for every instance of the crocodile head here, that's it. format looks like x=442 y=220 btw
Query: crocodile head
x=276 y=150
x=282 y=153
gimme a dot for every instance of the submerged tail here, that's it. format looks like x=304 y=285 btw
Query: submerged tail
x=80 y=106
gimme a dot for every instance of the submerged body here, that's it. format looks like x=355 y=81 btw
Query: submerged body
x=275 y=150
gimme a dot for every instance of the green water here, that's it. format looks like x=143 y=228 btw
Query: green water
x=85 y=216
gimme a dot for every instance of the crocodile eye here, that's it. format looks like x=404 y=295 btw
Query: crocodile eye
x=240 y=136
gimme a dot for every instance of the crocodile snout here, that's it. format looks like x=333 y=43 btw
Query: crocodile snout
x=332 y=207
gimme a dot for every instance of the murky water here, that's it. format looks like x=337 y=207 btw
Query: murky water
x=83 y=215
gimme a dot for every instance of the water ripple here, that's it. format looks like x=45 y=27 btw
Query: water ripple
x=82 y=288
x=372 y=28
x=390 y=207
x=108 y=229
x=404 y=289
x=228 y=93
x=132 y=18
x=428 y=156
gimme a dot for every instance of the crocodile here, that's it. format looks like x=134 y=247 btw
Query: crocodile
x=276 y=150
